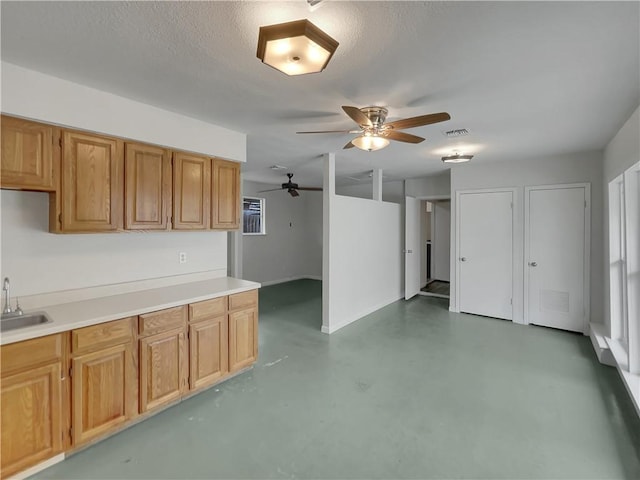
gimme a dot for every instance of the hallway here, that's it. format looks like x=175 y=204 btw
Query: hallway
x=411 y=391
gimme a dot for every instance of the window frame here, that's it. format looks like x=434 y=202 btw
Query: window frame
x=263 y=226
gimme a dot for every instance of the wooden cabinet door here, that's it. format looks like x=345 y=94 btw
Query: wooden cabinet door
x=225 y=193
x=27 y=155
x=91 y=183
x=191 y=191
x=147 y=187
x=243 y=338
x=208 y=357
x=163 y=369
x=31 y=417
x=104 y=391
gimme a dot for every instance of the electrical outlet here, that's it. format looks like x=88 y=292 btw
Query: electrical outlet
x=182 y=257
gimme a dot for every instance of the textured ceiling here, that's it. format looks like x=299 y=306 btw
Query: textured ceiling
x=526 y=79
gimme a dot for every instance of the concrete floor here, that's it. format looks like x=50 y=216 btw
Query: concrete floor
x=411 y=391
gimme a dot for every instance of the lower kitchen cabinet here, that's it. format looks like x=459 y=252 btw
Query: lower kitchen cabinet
x=103 y=391
x=208 y=352
x=243 y=338
x=163 y=368
x=103 y=379
x=62 y=391
x=31 y=403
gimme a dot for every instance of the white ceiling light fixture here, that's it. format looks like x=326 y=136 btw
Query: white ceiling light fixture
x=295 y=48
x=456 y=158
x=370 y=143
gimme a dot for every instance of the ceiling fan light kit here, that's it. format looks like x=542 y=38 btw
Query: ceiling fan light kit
x=295 y=48
x=375 y=133
x=370 y=142
x=456 y=158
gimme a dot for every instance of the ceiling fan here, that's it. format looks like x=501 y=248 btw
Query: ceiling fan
x=375 y=134
x=292 y=188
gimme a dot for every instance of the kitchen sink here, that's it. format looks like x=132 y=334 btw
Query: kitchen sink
x=13 y=322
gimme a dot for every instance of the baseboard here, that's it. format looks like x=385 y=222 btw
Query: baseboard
x=38 y=468
x=631 y=381
x=436 y=295
x=600 y=345
x=291 y=279
x=334 y=328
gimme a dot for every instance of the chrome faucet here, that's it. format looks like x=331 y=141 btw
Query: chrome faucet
x=7 y=300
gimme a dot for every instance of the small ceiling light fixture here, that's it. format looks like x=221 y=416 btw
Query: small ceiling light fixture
x=370 y=142
x=295 y=48
x=457 y=158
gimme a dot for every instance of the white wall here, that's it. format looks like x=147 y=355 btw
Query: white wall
x=392 y=191
x=39 y=262
x=365 y=261
x=34 y=95
x=441 y=246
x=570 y=168
x=622 y=151
x=432 y=186
x=292 y=246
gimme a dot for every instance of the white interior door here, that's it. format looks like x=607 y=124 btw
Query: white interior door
x=411 y=247
x=555 y=246
x=485 y=253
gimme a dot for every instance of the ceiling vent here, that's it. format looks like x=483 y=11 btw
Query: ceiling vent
x=458 y=132
x=277 y=167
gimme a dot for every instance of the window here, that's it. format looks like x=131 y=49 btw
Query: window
x=624 y=256
x=253 y=216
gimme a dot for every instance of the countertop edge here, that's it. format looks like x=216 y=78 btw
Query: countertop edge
x=57 y=311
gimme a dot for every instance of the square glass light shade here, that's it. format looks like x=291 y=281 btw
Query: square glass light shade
x=457 y=158
x=295 y=48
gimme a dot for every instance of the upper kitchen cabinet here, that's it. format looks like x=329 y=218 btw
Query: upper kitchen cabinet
x=27 y=155
x=225 y=195
x=147 y=191
x=191 y=191
x=91 y=188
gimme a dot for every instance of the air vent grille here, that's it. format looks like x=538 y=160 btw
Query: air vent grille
x=458 y=132
x=277 y=167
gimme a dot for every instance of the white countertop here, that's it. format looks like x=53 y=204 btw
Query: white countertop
x=68 y=316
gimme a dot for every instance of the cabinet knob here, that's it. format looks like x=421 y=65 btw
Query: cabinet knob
x=463 y=259
x=533 y=264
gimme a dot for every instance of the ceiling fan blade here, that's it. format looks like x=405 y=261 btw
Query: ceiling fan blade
x=311 y=189
x=418 y=121
x=271 y=190
x=402 y=137
x=329 y=131
x=293 y=193
x=348 y=145
x=357 y=116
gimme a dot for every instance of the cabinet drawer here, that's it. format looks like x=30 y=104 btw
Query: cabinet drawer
x=244 y=299
x=22 y=355
x=162 y=320
x=102 y=335
x=207 y=309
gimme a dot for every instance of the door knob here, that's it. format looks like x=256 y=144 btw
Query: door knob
x=463 y=259
x=533 y=264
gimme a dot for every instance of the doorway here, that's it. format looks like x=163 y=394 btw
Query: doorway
x=427 y=246
x=435 y=219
